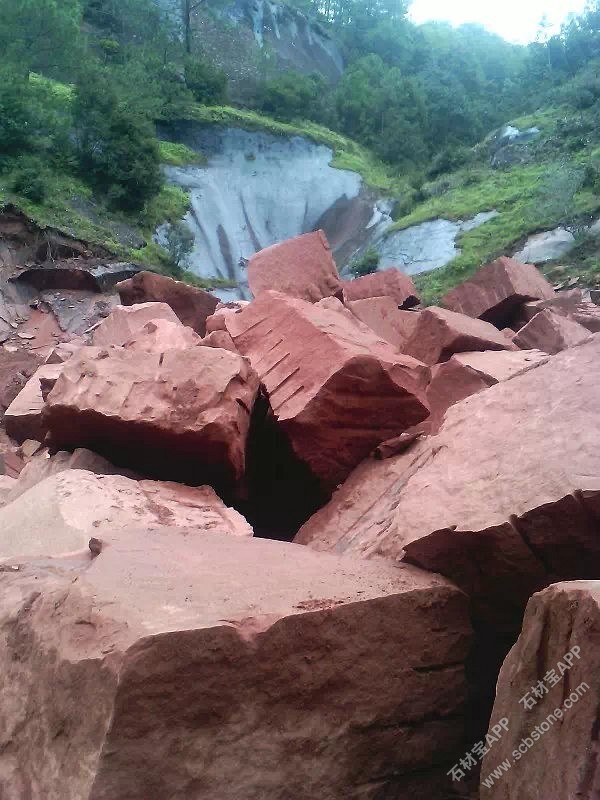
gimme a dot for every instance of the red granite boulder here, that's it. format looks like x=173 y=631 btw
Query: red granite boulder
x=179 y=662
x=385 y=283
x=504 y=500
x=551 y=333
x=440 y=333
x=59 y=515
x=382 y=315
x=496 y=291
x=23 y=418
x=549 y=691
x=191 y=304
x=172 y=417
x=124 y=322
x=160 y=335
x=336 y=389
x=302 y=267
x=468 y=373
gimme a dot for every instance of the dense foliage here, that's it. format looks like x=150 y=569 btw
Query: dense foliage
x=83 y=81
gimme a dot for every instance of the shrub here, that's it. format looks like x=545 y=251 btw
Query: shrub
x=179 y=243
x=31 y=181
x=207 y=83
x=366 y=264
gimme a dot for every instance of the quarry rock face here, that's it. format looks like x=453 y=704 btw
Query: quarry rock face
x=551 y=333
x=124 y=322
x=336 y=389
x=191 y=304
x=302 y=267
x=304 y=660
x=439 y=333
x=495 y=292
x=23 y=418
x=385 y=283
x=485 y=504
x=59 y=515
x=166 y=414
x=549 y=689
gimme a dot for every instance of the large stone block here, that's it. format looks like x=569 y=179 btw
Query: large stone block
x=551 y=333
x=59 y=515
x=302 y=267
x=549 y=691
x=336 y=389
x=504 y=500
x=23 y=418
x=496 y=291
x=181 y=664
x=172 y=416
x=191 y=304
x=124 y=322
x=440 y=333
x=385 y=283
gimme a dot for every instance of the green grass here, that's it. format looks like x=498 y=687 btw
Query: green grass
x=347 y=154
x=179 y=155
x=529 y=198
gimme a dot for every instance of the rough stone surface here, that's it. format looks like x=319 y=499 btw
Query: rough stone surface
x=302 y=267
x=381 y=314
x=59 y=515
x=496 y=290
x=386 y=283
x=160 y=335
x=546 y=246
x=568 y=304
x=336 y=389
x=468 y=373
x=191 y=304
x=439 y=333
x=43 y=466
x=173 y=417
x=559 y=751
x=15 y=370
x=23 y=418
x=201 y=651
x=220 y=339
x=124 y=322
x=485 y=501
x=216 y=322
x=551 y=333
x=7 y=484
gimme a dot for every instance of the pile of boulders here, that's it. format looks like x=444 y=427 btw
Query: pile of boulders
x=435 y=467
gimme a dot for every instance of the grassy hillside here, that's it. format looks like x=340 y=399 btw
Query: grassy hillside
x=552 y=185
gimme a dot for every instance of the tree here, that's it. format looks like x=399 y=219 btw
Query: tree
x=208 y=84
x=180 y=243
x=41 y=35
x=118 y=152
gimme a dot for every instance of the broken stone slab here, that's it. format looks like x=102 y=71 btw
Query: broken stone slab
x=198 y=649
x=468 y=373
x=216 y=322
x=301 y=267
x=15 y=370
x=23 y=418
x=168 y=416
x=43 y=465
x=59 y=515
x=551 y=333
x=191 y=304
x=382 y=315
x=124 y=322
x=440 y=333
x=160 y=335
x=549 y=691
x=336 y=389
x=568 y=304
x=496 y=291
x=220 y=339
x=384 y=283
x=595 y=296
x=503 y=507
